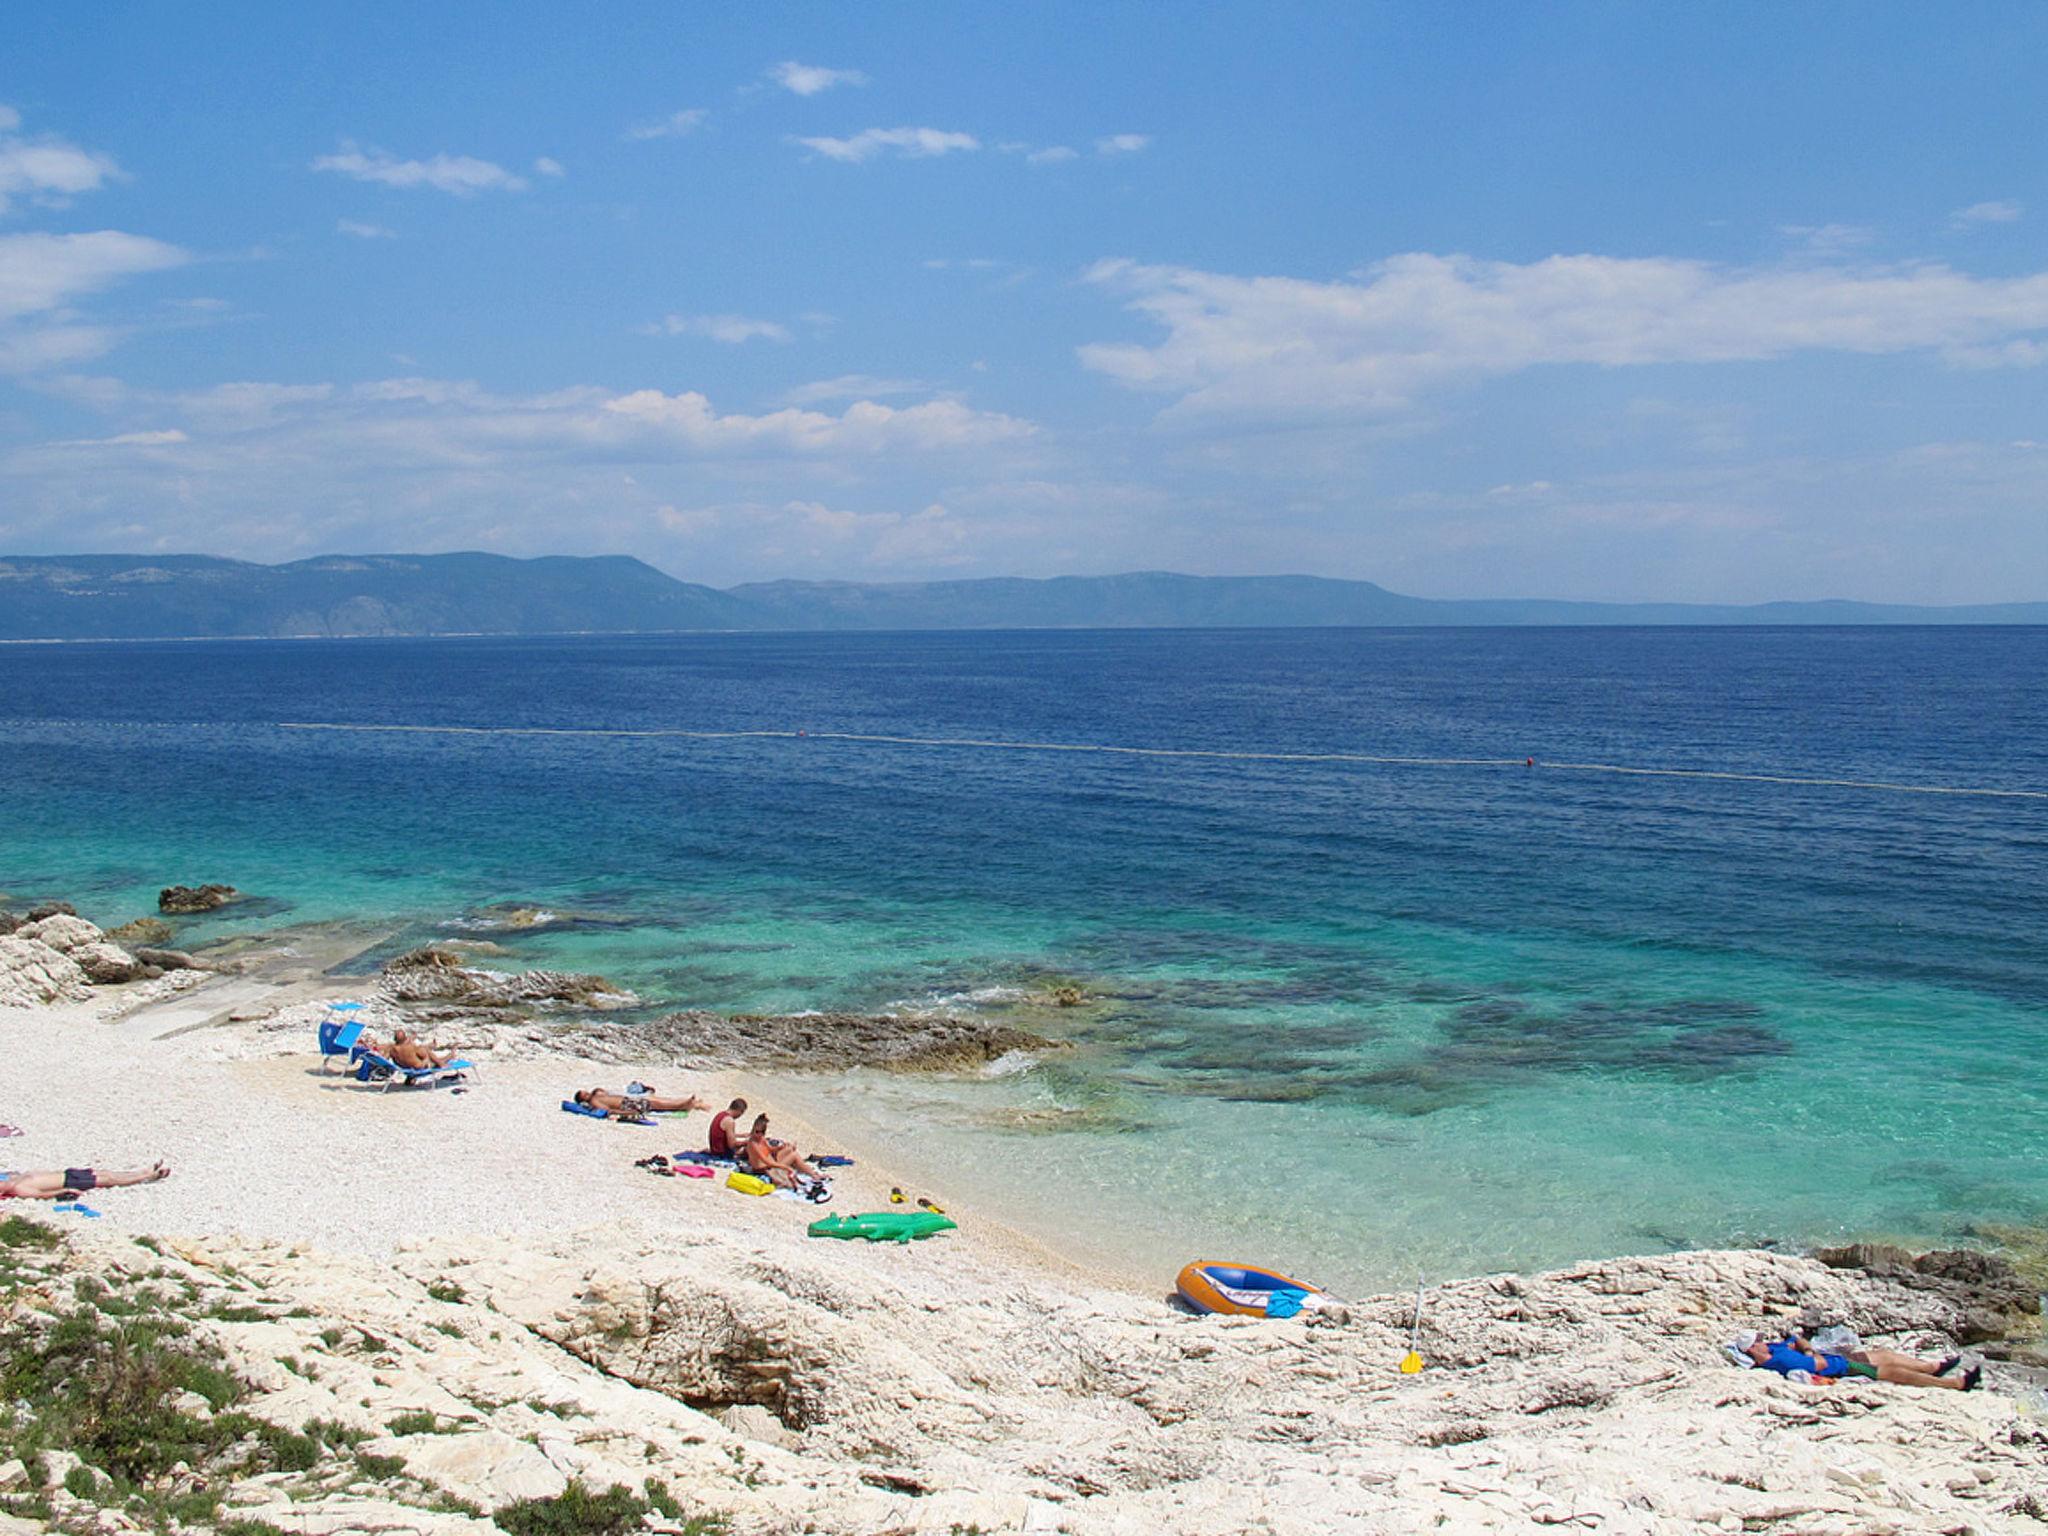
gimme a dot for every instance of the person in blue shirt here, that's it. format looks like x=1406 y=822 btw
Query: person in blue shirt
x=1794 y=1352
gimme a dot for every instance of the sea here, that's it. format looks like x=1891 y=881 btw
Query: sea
x=1398 y=953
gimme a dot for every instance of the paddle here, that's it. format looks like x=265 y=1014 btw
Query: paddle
x=1411 y=1363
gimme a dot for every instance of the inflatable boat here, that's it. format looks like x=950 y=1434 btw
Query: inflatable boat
x=1242 y=1290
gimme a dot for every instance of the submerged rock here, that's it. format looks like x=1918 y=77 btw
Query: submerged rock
x=177 y=899
x=143 y=930
x=432 y=975
x=830 y=1042
x=32 y=973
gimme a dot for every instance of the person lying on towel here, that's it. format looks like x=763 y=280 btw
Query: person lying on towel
x=635 y=1106
x=70 y=1183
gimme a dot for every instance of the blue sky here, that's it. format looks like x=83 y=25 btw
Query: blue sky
x=1578 y=300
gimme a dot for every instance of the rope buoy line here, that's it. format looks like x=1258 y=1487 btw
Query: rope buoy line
x=1213 y=754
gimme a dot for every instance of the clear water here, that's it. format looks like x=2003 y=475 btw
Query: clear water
x=1357 y=1021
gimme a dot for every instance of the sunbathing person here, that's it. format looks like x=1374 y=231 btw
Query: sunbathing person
x=723 y=1140
x=69 y=1183
x=416 y=1055
x=776 y=1161
x=636 y=1106
x=1796 y=1353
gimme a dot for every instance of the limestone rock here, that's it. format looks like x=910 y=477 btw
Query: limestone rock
x=9 y=921
x=909 y=1042
x=62 y=931
x=51 y=909
x=433 y=975
x=32 y=973
x=109 y=964
x=168 y=959
x=142 y=931
x=177 y=899
x=12 y=1474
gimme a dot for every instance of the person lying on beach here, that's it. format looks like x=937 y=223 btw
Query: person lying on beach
x=636 y=1106
x=1796 y=1353
x=69 y=1183
x=722 y=1140
x=416 y=1055
x=776 y=1161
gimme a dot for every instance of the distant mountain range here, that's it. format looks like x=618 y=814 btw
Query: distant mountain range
x=132 y=597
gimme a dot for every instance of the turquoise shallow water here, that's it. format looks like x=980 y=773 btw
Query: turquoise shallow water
x=1358 y=1020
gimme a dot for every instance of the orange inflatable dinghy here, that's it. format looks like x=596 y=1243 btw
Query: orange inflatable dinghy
x=1242 y=1290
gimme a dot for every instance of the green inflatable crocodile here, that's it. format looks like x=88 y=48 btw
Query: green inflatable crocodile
x=884 y=1226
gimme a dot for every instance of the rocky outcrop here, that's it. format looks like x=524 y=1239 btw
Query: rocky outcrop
x=109 y=964
x=835 y=1041
x=433 y=975
x=51 y=909
x=32 y=973
x=142 y=931
x=169 y=960
x=62 y=931
x=182 y=899
x=1989 y=1294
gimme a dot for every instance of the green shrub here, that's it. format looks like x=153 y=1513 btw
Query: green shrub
x=576 y=1512
x=20 y=1232
x=445 y=1290
x=415 y=1424
x=380 y=1468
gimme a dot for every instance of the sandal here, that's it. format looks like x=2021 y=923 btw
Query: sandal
x=896 y=1197
x=1948 y=1365
x=1971 y=1377
x=936 y=1210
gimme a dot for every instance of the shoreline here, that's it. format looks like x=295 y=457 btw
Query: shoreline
x=501 y=1258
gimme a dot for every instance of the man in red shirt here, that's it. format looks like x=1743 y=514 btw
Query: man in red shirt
x=722 y=1142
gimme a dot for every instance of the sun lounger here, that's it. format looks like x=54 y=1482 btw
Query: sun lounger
x=372 y=1068
x=339 y=1033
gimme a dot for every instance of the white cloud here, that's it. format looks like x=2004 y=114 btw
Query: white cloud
x=462 y=175
x=850 y=386
x=1052 y=154
x=1289 y=347
x=168 y=438
x=41 y=272
x=364 y=231
x=548 y=165
x=2003 y=212
x=730 y=329
x=47 y=169
x=674 y=126
x=1829 y=239
x=864 y=427
x=810 y=79
x=1122 y=143
x=910 y=143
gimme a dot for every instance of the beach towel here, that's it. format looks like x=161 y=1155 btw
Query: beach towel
x=570 y=1106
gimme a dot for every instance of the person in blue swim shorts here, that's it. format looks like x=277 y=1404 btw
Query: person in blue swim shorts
x=1795 y=1352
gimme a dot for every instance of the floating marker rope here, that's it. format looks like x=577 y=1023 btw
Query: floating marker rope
x=1214 y=754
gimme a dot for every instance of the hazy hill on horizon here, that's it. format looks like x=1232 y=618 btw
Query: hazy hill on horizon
x=127 y=597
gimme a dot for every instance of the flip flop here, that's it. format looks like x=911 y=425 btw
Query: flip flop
x=897 y=1197
x=78 y=1210
x=11 y=1130
x=1948 y=1365
x=936 y=1210
x=1972 y=1377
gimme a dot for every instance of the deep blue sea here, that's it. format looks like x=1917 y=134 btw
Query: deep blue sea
x=1356 y=1019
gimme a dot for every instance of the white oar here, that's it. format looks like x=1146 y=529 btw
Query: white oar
x=1411 y=1363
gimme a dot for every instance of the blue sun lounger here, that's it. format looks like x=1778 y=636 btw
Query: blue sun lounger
x=339 y=1032
x=372 y=1068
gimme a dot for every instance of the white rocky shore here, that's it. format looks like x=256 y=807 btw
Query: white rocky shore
x=498 y=1279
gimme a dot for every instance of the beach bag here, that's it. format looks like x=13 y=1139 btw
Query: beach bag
x=747 y=1183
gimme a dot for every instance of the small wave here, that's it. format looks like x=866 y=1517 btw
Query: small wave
x=1011 y=1064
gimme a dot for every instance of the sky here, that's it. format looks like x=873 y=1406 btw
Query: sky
x=1583 y=300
